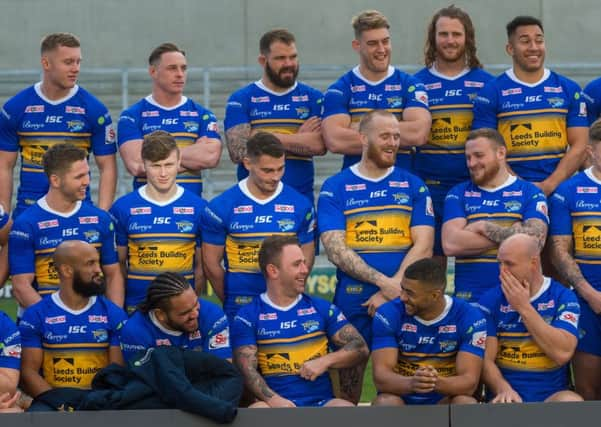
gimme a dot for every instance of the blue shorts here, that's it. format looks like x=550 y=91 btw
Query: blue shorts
x=311 y=401
x=422 y=399
x=589 y=330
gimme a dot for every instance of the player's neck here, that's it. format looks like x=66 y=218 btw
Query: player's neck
x=369 y=169
x=271 y=86
x=279 y=297
x=166 y=99
x=536 y=284
x=372 y=76
x=58 y=203
x=596 y=172
x=434 y=311
x=160 y=196
x=256 y=192
x=499 y=179
x=450 y=68
x=53 y=92
x=529 y=77
x=72 y=300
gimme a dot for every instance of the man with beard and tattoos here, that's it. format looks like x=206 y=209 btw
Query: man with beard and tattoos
x=73 y=333
x=279 y=104
x=479 y=214
x=375 y=219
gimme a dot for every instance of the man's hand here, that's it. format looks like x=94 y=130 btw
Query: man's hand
x=593 y=298
x=517 y=292
x=390 y=288
x=375 y=301
x=312 y=369
x=424 y=380
x=278 y=401
x=8 y=403
x=313 y=124
x=507 y=396
x=545 y=187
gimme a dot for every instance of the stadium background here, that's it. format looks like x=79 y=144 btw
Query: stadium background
x=221 y=42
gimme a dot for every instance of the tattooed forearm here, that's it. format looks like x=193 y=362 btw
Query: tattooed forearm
x=246 y=360
x=346 y=259
x=532 y=227
x=561 y=247
x=349 y=339
x=299 y=150
x=351 y=382
x=535 y=228
x=236 y=139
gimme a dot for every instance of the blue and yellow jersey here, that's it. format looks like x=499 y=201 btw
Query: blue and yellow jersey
x=514 y=201
x=592 y=96
x=575 y=210
x=459 y=328
x=75 y=343
x=376 y=217
x=442 y=160
x=521 y=361
x=533 y=119
x=268 y=111
x=39 y=230
x=287 y=337
x=143 y=331
x=31 y=123
x=10 y=343
x=186 y=122
x=239 y=221
x=354 y=95
x=159 y=237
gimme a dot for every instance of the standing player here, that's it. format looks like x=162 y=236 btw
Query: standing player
x=482 y=212
x=592 y=96
x=539 y=113
x=427 y=347
x=166 y=108
x=374 y=219
x=60 y=215
x=51 y=112
x=71 y=335
x=374 y=84
x=236 y=222
x=452 y=77
x=576 y=248
x=281 y=105
x=158 y=225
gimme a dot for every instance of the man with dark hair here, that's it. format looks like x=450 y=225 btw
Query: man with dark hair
x=452 y=77
x=71 y=335
x=374 y=84
x=171 y=314
x=279 y=104
x=539 y=112
x=158 y=225
x=482 y=212
x=375 y=219
x=236 y=222
x=427 y=347
x=532 y=329
x=282 y=339
x=62 y=214
x=54 y=111
x=575 y=214
x=193 y=126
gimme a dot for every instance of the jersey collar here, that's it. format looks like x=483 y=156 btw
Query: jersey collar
x=163 y=329
x=448 y=304
x=262 y=86
x=357 y=73
x=243 y=186
x=150 y=99
x=59 y=302
x=43 y=203
x=143 y=194
x=38 y=90
x=511 y=74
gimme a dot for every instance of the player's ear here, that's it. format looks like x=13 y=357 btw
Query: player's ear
x=272 y=270
x=262 y=60
x=355 y=45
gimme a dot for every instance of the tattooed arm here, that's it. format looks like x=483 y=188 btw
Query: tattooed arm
x=561 y=253
x=497 y=233
x=236 y=138
x=246 y=359
x=352 y=264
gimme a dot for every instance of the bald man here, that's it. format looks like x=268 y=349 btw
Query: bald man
x=73 y=333
x=532 y=329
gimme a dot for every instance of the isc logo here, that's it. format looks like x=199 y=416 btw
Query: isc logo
x=426 y=340
x=54 y=119
x=172 y=121
x=533 y=98
x=263 y=219
x=70 y=232
x=288 y=324
x=374 y=97
x=490 y=202
x=281 y=107
x=453 y=92
x=378 y=193
x=162 y=220
x=78 y=329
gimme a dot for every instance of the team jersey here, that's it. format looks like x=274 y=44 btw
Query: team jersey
x=31 y=123
x=442 y=160
x=4 y=217
x=575 y=210
x=514 y=201
x=159 y=237
x=186 y=122
x=533 y=119
x=284 y=113
x=376 y=216
x=354 y=95
x=10 y=343
x=286 y=338
x=592 y=96
x=143 y=331
x=239 y=221
x=522 y=362
x=436 y=342
x=75 y=343
x=39 y=230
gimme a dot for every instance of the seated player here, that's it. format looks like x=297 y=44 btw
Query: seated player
x=10 y=364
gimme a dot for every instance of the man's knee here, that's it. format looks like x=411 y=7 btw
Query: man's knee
x=339 y=403
x=386 y=399
x=564 y=396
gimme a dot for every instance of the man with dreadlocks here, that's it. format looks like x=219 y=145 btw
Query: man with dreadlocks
x=171 y=314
